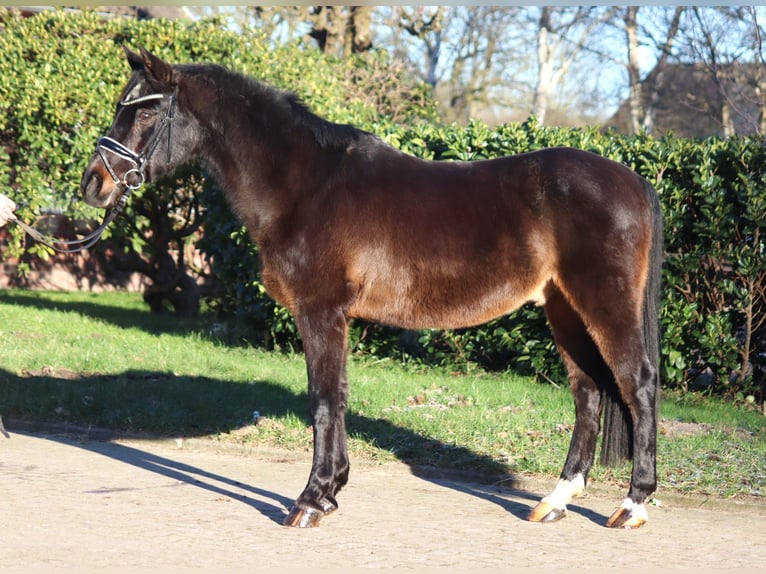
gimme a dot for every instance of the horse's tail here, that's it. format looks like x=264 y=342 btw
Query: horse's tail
x=617 y=433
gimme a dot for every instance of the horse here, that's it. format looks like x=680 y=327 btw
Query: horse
x=348 y=227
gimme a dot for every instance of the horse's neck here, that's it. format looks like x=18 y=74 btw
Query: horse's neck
x=256 y=171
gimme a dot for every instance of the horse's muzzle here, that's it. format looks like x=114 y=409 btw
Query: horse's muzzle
x=98 y=190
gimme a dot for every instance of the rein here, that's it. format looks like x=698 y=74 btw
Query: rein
x=139 y=161
x=76 y=245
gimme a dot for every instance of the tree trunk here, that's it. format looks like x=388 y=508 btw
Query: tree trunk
x=558 y=48
x=342 y=30
x=659 y=72
x=329 y=25
x=544 y=66
x=358 y=30
x=726 y=120
x=634 y=76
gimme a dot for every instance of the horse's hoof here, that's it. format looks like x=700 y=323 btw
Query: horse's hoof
x=546 y=512
x=629 y=516
x=309 y=517
x=300 y=517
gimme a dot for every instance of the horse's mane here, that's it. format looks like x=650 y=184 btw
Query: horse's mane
x=289 y=107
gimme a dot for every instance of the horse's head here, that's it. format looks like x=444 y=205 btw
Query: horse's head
x=147 y=137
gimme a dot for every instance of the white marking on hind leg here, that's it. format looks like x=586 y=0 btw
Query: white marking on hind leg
x=564 y=491
x=637 y=512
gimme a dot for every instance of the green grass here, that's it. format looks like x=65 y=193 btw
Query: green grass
x=103 y=360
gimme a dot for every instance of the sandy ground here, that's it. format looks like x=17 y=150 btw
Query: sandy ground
x=82 y=503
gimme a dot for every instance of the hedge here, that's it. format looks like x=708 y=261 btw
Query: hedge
x=55 y=105
x=713 y=198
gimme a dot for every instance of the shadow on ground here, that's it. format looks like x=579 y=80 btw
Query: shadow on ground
x=271 y=504
x=123 y=317
x=98 y=401
x=106 y=407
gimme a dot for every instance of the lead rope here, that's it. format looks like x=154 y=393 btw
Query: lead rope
x=75 y=245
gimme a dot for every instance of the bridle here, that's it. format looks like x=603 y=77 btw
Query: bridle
x=139 y=161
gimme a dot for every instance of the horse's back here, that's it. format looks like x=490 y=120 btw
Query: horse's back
x=545 y=182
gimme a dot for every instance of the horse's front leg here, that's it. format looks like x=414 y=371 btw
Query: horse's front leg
x=324 y=335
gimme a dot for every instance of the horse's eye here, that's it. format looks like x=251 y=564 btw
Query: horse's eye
x=145 y=115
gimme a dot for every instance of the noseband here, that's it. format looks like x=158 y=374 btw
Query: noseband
x=139 y=161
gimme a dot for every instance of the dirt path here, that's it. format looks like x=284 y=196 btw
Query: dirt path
x=90 y=504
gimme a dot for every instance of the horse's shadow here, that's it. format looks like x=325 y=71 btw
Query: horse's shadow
x=513 y=499
x=270 y=504
x=275 y=506
x=275 y=401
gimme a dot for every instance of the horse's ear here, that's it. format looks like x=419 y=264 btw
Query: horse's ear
x=157 y=71
x=135 y=60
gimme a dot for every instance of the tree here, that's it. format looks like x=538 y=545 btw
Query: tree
x=426 y=25
x=655 y=33
x=450 y=49
x=336 y=30
x=728 y=42
x=473 y=73
x=341 y=30
x=153 y=242
x=665 y=48
x=562 y=34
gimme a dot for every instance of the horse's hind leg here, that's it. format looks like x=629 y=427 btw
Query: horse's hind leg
x=324 y=335
x=637 y=381
x=614 y=325
x=617 y=330
x=586 y=370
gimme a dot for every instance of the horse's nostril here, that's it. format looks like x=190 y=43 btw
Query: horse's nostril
x=92 y=186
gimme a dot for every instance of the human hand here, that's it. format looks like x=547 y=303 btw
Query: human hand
x=6 y=209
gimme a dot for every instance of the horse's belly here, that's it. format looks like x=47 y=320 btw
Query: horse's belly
x=418 y=304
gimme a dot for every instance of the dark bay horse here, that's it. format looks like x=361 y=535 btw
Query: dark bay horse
x=348 y=226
